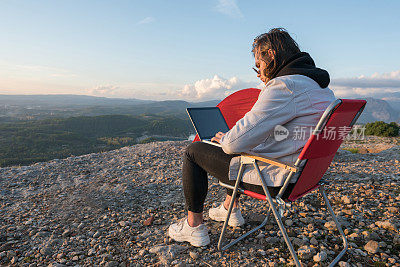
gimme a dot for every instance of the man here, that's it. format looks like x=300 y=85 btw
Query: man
x=295 y=96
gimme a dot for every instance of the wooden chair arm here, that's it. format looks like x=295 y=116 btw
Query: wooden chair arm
x=272 y=161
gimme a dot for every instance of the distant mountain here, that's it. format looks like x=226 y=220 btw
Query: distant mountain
x=34 y=107
x=393 y=99
x=23 y=107
x=85 y=100
x=66 y=100
x=378 y=110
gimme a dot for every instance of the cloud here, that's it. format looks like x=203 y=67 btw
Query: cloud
x=214 y=88
x=104 y=90
x=229 y=8
x=146 y=20
x=377 y=85
x=385 y=80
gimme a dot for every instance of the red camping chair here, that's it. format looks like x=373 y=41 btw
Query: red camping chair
x=311 y=165
x=236 y=105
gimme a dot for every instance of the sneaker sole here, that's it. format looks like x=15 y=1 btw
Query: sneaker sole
x=196 y=242
x=231 y=222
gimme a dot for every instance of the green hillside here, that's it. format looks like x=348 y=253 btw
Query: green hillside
x=41 y=140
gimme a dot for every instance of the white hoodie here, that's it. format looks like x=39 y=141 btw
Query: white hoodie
x=295 y=102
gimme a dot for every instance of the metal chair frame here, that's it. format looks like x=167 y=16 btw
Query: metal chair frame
x=277 y=205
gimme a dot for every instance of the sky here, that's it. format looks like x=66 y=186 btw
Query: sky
x=191 y=50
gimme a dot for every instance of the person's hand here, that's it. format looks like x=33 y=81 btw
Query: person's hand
x=217 y=137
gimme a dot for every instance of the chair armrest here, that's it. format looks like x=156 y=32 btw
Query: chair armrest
x=272 y=161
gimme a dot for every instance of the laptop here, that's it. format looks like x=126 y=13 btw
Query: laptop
x=207 y=122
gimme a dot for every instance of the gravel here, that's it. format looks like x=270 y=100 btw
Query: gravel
x=113 y=209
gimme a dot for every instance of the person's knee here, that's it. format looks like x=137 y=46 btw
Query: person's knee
x=193 y=149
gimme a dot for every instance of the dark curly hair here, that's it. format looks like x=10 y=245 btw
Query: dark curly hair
x=282 y=45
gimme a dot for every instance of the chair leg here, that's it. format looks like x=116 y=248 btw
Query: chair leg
x=278 y=218
x=235 y=241
x=339 y=227
x=239 y=177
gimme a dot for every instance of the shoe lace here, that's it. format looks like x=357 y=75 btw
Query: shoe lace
x=181 y=222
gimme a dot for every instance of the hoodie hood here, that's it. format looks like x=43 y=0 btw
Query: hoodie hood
x=302 y=64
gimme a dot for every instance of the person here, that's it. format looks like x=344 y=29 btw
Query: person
x=295 y=96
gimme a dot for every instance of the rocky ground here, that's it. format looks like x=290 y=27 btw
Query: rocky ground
x=114 y=208
x=370 y=144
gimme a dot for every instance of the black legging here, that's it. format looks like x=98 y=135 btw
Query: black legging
x=202 y=158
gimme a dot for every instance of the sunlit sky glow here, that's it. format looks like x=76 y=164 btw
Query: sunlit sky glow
x=193 y=50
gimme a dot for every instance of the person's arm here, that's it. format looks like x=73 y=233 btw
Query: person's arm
x=275 y=106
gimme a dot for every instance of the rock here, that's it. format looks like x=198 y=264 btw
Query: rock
x=60 y=255
x=256 y=217
x=289 y=222
x=346 y=200
x=260 y=235
x=366 y=235
x=194 y=255
x=305 y=252
x=330 y=225
x=11 y=254
x=111 y=264
x=56 y=264
x=167 y=252
x=353 y=235
x=262 y=252
x=372 y=247
x=382 y=244
x=386 y=225
x=298 y=242
x=396 y=240
x=359 y=251
x=344 y=264
x=97 y=234
x=14 y=260
x=91 y=252
x=106 y=257
x=314 y=241
x=66 y=233
x=272 y=240
x=46 y=251
x=304 y=220
x=375 y=236
x=393 y=210
x=148 y=221
x=142 y=252
x=321 y=256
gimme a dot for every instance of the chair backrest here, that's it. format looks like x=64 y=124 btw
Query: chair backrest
x=236 y=105
x=321 y=147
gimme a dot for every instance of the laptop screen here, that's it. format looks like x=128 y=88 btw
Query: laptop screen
x=207 y=121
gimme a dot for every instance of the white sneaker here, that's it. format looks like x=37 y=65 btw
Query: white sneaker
x=182 y=231
x=219 y=214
